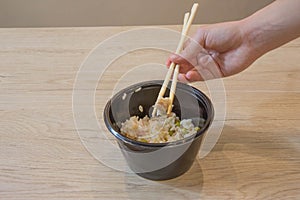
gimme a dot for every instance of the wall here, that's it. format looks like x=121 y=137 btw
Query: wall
x=40 y=13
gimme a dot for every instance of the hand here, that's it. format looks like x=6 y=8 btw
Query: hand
x=215 y=51
x=224 y=49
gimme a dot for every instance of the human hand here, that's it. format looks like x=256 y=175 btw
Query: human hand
x=215 y=51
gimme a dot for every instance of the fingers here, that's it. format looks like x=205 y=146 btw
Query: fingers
x=191 y=76
x=185 y=66
x=176 y=59
x=195 y=61
x=182 y=59
x=182 y=78
x=206 y=69
x=190 y=49
x=168 y=62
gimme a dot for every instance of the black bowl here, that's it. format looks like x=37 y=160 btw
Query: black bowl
x=159 y=161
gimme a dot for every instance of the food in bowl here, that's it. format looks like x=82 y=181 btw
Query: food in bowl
x=158 y=161
x=160 y=128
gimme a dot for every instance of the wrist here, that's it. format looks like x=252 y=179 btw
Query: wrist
x=272 y=26
x=253 y=36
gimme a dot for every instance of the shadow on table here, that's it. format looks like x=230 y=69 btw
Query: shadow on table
x=188 y=185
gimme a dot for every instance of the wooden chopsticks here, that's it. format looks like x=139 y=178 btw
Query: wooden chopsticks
x=188 y=19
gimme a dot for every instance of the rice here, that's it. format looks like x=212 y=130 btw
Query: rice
x=158 y=129
x=141 y=109
x=138 y=89
x=124 y=96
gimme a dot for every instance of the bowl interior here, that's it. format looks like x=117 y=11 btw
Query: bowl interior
x=138 y=99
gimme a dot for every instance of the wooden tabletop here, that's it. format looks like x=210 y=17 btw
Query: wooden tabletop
x=42 y=157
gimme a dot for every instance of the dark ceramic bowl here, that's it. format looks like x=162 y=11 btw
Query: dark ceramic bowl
x=159 y=161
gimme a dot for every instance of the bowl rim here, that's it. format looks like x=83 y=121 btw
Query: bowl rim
x=208 y=106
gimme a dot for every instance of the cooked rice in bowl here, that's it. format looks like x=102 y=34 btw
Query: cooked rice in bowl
x=158 y=129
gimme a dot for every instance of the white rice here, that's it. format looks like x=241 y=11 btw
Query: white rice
x=158 y=129
x=141 y=109
x=124 y=96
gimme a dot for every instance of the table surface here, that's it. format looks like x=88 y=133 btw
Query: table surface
x=42 y=157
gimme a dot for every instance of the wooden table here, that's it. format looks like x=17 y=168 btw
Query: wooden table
x=42 y=157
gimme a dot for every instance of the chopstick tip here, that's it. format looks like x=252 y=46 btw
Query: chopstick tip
x=195 y=6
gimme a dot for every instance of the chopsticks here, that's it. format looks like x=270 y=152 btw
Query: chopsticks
x=188 y=19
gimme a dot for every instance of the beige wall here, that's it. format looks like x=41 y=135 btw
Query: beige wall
x=40 y=13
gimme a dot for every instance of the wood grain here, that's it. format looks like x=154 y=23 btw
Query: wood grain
x=42 y=157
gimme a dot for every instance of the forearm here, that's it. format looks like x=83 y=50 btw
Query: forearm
x=272 y=26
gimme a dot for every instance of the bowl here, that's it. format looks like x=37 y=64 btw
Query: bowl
x=158 y=161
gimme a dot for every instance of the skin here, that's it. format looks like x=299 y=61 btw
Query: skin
x=225 y=49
